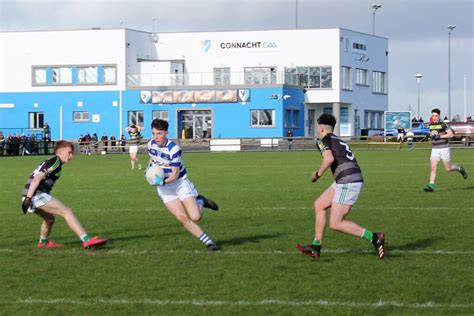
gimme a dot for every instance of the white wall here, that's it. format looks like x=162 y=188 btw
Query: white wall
x=20 y=51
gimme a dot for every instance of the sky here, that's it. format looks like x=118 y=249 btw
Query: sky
x=416 y=29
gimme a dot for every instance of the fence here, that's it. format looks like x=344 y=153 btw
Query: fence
x=206 y=145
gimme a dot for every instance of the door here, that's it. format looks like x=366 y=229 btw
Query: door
x=196 y=124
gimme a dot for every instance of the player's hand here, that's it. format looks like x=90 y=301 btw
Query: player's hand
x=26 y=205
x=435 y=136
x=315 y=176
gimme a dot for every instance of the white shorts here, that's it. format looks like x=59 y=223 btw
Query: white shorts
x=178 y=189
x=347 y=193
x=443 y=154
x=400 y=137
x=133 y=149
x=38 y=201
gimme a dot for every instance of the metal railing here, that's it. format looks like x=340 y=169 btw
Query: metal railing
x=232 y=78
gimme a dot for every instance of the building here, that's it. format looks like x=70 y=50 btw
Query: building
x=234 y=84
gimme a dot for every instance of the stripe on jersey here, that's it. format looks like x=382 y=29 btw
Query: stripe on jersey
x=167 y=156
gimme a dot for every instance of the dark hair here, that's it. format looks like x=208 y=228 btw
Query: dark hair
x=62 y=143
x=160 y=125
x=327 y=119
x=437 y=111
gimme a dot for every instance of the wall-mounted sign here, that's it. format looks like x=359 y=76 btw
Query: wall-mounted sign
x=195 y=96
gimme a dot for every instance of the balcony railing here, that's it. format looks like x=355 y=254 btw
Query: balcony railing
x=232 y=78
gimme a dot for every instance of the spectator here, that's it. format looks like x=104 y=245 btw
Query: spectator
x=87 y=143
x=204 y=129
x=95 y=141
x=123 y=142
x=446 y=120
x=104 y=141
x=46 y=142
x=409 y=136
x=46 y=129
x=32 y=144
x=2 y=143
x=420 y=120
x=400 y=136
x=414 y=120
x=113 y=142
x=24 y=145
x=289 y=135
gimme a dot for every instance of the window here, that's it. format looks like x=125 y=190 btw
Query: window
x=261 y=118
x=379 y=82
x=373 y=119
x=359 y=46
x=260 y=75
x=344 y=121
x=110 y=74
x=135 y=117
x=162 y=115
x=361 y=77
x=80 y=117
x=346 y=78
x=310 y=77
x=61 y=75
x=222 y=76
x=87 y=75
x=39 y=75
x=35 y=120
x=296 y=114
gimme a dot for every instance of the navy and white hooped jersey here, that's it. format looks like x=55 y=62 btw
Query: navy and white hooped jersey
x=167 y=156
x=345 y=167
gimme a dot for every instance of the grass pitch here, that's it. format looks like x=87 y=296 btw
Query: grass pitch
x=153 y=266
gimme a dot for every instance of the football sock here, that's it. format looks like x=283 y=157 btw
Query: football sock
x=367 y=234
x=316 y=243
x=43 y=240
x=205 y=239
x=85 y=238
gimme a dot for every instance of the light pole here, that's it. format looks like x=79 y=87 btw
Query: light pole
x=418 y=79
x=450 y=28
x=375 y=7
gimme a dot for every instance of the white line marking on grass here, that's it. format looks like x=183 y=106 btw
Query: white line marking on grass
x=123 y=252
x=272 y=302
x=302 y=208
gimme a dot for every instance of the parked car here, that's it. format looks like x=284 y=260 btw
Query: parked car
x=462 y=130
x=420 y=129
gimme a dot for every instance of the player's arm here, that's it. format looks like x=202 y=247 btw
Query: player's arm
x=35 y=183
x=174 y=175
x=449 y=133
x=328 y=159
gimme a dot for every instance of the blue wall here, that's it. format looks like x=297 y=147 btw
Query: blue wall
x=229 y=119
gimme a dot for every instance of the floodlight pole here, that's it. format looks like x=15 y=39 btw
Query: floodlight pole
x=450 y=28
x=375 y=7
x=418 y=79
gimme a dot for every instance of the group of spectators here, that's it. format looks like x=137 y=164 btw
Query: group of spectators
x=88 y=142
x=16 y=145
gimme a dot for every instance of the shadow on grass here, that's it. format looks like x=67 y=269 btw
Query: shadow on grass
x=458 y=189
x=247 y=239
x=416 y=245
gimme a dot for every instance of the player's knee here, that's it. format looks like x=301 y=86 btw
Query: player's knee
x=319 y=207
x=195 y=217
x=334 y=225
x=66 y=212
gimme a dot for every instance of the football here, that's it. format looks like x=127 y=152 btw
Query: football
x=154 y=175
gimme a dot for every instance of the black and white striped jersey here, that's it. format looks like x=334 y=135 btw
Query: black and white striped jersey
x=53 y=168
x=345 y=167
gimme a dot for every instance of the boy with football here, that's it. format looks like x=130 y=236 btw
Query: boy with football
x=36 y=199
x=177 y=192
x=342 y=194
x=440 y=133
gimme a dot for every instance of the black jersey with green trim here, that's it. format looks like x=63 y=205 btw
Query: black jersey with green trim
x=439 y=128
x=135 y=137
x=345 y=168
x=53 y=168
